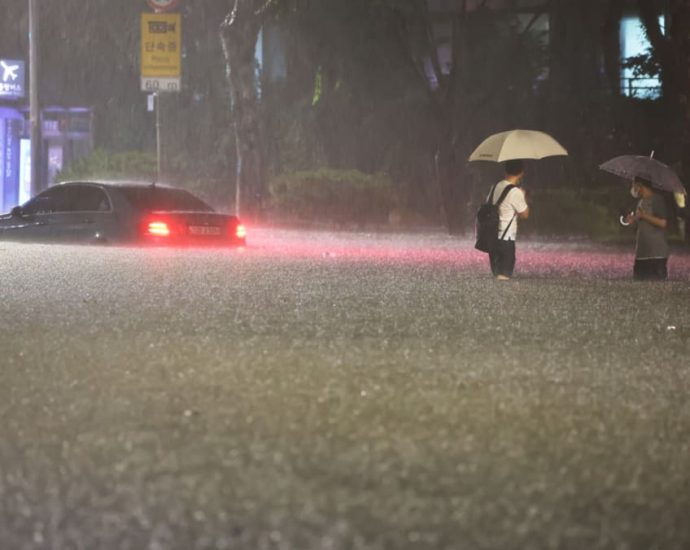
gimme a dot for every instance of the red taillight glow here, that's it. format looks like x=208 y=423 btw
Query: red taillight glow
x=158 y=229
x=240 y=231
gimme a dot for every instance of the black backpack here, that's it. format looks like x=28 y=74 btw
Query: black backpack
x=486 y=225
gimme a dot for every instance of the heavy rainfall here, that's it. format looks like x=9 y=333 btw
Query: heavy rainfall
x=245 y=294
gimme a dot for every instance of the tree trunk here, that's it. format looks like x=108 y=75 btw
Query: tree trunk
x=239 y=33
x=447 y=102
x=447 y=173
x=575 y=73
x=680 y=45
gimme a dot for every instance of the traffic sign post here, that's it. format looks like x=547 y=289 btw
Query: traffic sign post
x=161 y=45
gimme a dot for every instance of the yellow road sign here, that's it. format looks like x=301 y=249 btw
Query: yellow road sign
x=161 y=44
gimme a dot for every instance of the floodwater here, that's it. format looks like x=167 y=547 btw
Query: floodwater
x=342 y=390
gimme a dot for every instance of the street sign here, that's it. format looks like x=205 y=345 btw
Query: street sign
x=161 y=43
x=11 y=78
x=162 y=5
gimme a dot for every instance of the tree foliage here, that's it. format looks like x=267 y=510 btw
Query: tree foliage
x=670 y=56
x=379 y=86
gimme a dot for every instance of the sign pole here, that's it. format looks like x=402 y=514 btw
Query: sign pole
x=157 y=103
x=161 y=44
x=35 y=114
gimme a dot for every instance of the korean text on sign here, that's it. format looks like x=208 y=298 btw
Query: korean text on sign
x=160 y=45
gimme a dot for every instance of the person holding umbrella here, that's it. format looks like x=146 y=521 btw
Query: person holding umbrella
x=509 y=147
x=650 y=179
x=651 y=218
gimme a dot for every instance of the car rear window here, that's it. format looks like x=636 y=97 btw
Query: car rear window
x=162 y=199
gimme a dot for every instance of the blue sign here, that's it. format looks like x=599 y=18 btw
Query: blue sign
x=11 y=78
x=11 y=123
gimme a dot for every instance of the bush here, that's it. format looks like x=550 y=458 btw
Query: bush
x=102 y=164
x=340 y=197
x=567 y=212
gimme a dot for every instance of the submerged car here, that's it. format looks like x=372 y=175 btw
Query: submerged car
x=120 y=212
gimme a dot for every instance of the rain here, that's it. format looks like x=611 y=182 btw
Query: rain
x=353 y=375
x=359 y=391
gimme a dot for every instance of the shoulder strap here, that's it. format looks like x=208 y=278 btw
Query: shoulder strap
x=508 y=227
x=507 y=190
x=490 y=196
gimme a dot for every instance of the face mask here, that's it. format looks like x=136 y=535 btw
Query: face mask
x=634 y=192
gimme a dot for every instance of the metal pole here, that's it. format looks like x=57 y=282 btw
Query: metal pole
x=158 y=135
x=158 y=128
x=35 y=112
x=238 y=178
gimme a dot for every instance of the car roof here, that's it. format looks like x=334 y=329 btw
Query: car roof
x=118 y=183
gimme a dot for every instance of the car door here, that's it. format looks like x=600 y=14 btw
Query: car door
x=88 y=214
x=35 y=223
x=56 y=222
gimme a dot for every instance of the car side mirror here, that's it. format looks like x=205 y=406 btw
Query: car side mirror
x=17 y=212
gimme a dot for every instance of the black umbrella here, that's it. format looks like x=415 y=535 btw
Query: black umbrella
x=661 y=177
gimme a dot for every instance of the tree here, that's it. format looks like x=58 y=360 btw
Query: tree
x=583 y=83
x=240 y=32
x=443 y=85
x=478 y=67
x=407 y=87
x=671 y=51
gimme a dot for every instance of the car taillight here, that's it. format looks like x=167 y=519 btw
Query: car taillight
x=240 y=231
x=158 y=229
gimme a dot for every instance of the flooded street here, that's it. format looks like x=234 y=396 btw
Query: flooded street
x=342 y=391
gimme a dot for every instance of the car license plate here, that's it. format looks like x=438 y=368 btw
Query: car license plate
x=204 y=230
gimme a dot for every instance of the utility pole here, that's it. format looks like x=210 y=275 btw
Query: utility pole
x=35 y=112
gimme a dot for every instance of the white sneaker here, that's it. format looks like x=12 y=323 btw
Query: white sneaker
x=502 y=278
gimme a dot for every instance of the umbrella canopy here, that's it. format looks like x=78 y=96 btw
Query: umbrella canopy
x=661 y=176
x=518 y=144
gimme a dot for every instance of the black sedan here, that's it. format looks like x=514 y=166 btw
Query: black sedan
x=120 y=212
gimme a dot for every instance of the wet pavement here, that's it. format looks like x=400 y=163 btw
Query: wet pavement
x=342 y=391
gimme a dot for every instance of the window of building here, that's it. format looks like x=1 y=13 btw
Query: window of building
x=634 y=42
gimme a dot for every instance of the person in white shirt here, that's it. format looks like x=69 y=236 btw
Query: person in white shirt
x=513 y=207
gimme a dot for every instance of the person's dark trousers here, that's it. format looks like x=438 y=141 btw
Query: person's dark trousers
x=650 y=270
x=502 y=258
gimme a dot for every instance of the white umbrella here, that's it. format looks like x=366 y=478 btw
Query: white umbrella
x=518 y=144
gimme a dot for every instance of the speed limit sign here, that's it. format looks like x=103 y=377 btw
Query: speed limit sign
x=162 y=5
